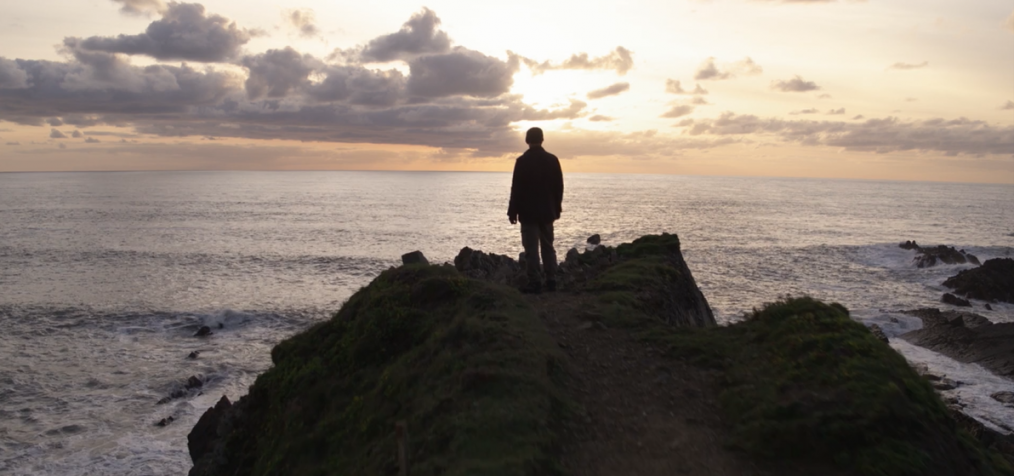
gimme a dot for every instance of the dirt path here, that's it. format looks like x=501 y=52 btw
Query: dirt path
x=646 y=414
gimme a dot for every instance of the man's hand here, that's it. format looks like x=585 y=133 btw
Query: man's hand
x=513 y=218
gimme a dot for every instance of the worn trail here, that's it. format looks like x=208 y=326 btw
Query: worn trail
x=644 y=414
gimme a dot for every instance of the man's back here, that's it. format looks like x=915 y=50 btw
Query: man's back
x=537 y=187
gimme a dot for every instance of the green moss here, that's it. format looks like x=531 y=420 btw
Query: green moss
x=803 y=381
x=466 y=364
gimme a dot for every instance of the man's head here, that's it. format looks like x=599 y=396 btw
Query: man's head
x=533 y=136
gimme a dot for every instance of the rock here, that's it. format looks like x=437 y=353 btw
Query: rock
x=909 y=245
x=165 y=421
x=953 y=300
x=1004 y=397
x=202 y=438
x=966 y=337
x=988 y=307
x=194 y=354
x=993 y=281
x=415 y=257
x=573 y=257
x=946 y=384
x=594 y=239
x=194 y=382
x=221 y=325
x=492 y=267
x=204 y=331
x=878 y=333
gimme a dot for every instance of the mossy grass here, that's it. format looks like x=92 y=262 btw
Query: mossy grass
x=467 y=364
x=801 y=381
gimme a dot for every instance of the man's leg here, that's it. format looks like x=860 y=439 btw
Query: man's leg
x=548 y=253
x=530 y=241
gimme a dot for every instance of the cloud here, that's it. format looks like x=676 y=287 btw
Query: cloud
x=11 y=75
x=824 y=96
x=460 y=72
x=183 y=33
x=858 y=117
x=796 y=85
x=805 y=111
x=1008 y=105
x=836 y=112
x=275 y=73
x=674 y=87
x=304 y=21
x=92 y=140
x=55 y=134
x=620 y=60
x=906 y=66
x=600 y=118
x=709 y=70
x=141 y=7
x=77 y=134
x=418 y=36
x=697 y=100
x=951 y=137
x=359 y=86
x=678 y=111
x=611 y=90
x=54 y=121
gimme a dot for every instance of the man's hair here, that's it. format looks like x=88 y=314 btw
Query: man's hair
x=533 y=136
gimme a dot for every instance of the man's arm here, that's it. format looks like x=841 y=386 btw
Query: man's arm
x=512 y=208
x=558 y=187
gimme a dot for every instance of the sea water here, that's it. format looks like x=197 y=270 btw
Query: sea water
x=105 y=277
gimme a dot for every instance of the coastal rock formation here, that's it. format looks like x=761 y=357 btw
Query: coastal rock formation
x=878 y=333
x=204 y=331
x=201 y=440
x=953 y=300
x=931 y=256
x=594 y=239
x=966 y=337
x=415 y=257
x=499 y=269
x=993 y=281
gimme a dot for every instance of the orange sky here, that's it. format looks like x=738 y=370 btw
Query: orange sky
x=879 y=89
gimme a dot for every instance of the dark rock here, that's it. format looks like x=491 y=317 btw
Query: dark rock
x=221 y=325
x=194 y=354
x=953 y=300
x=966 y=337
x=491 y=267
x=573 y=257
x=165 y=421
x=878 y=333
x=991 y=439
x=1004 y=397
x=909 y=245
x=946 y=384
x=594 y=239
x=988 y=307
x=993 y=281
x=204 y=331
x=415 y=257
x=194 y=382
x=202 y=438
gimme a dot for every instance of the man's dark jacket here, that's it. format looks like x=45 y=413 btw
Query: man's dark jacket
x=537 y=188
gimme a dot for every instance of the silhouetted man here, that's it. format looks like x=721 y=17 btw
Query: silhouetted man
x=537 y=200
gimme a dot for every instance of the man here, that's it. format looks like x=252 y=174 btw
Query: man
x=536 y=201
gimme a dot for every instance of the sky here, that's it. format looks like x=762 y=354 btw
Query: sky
x=876 y=89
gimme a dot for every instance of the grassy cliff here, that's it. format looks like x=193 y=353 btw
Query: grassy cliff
x=471 y=368
x=466 y=364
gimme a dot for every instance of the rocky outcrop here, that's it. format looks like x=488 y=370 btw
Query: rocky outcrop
x=594 y=239
x=415 y=257
x=500 y=269
x=953 y=300
x=879 y=333
x=204 y=331
x=931 y=256
x=966 y=337
x=204 y=442
x=993 y=281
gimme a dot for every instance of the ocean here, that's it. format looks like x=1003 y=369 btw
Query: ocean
x=105 y=277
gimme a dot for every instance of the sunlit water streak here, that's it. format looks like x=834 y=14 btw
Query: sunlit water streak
x=104 y=277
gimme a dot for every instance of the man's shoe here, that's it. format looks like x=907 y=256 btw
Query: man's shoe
x=550 y=285
x=533 y=287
